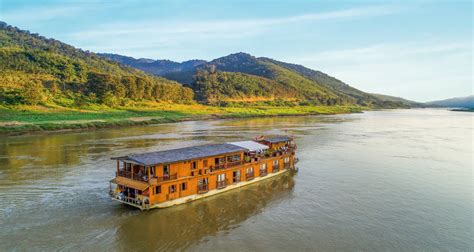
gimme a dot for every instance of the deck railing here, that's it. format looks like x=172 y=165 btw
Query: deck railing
x=203 y=188
x=128 y=174
x=236 y=179
x=226 y=165
x=131 y=200
x=221 y=184
x=123 y=173
x=167 y=177
x=252 y=159
x=275 y=168
x=232 y=164
x=263 y=173
x=249 y=175
x=277 y=153
x=217 y=167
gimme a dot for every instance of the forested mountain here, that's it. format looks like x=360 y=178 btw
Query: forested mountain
x=243 y=77
x=216 y=86
x=297 y=87
x=327 y=81
x=458 y=102
x=36 y=69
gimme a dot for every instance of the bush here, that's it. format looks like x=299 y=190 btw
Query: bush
x=33 y=93
x=10 y=97
x=110 y=100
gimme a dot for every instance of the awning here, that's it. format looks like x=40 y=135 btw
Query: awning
x=250 y=145
x=130 y=183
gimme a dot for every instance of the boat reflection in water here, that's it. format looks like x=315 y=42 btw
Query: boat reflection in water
x=182 y=226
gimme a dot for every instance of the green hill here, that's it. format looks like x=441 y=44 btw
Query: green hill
x=281 y=83
x=308 y=86
x=217 y=86
x=241 y=77
x=458 y=102
x=36 y=70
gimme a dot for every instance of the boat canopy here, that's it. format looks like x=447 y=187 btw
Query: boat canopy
x=250 y=145
x=277 y=139
x=130 y=183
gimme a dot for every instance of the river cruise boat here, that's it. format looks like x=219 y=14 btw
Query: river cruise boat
x=171 y=177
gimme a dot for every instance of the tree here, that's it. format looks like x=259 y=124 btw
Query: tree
x=33 y=93
x=109 y=99
x=54 y=88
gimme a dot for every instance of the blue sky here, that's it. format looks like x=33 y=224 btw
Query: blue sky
x=417 y=50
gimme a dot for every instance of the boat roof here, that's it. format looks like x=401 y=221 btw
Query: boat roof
x=181 y=154
x=277 y=139
x=130 y=183
x=250 y=145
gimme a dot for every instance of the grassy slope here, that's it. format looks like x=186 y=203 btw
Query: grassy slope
x=235 y=86
x=23 y=119
x=27 y=58
x=307 y=88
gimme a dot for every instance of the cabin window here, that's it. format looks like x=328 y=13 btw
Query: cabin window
x=234 y=158
x=204 y=163
x=200 y=172
x=250 y=170
x=158 y=190
x=275 y=162
x=287 y=160
x=152 y=171
x=263 y=167
x=184 y=186
x=236 y=176
x=172 y=188
x=221 y=177
x=166 y=169
x=219 y=160
x=193 y=165
x=203 y=181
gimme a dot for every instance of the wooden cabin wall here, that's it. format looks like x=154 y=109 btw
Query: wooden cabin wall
x=184 y=176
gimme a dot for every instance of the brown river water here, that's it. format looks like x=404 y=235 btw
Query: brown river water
x=396 y=180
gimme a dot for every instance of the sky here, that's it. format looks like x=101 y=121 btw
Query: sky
x=419 y=50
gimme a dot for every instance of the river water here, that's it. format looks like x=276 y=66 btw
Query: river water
x=381 y=180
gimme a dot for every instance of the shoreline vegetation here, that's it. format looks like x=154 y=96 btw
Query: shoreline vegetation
x=24 y=119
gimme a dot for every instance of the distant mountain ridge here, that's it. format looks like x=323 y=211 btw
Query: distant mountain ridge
x=457 y=102
x=241 y=76
x=156 y=67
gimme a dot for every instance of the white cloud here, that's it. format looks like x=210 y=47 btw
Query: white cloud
x=175 y=32
x=43 y=13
